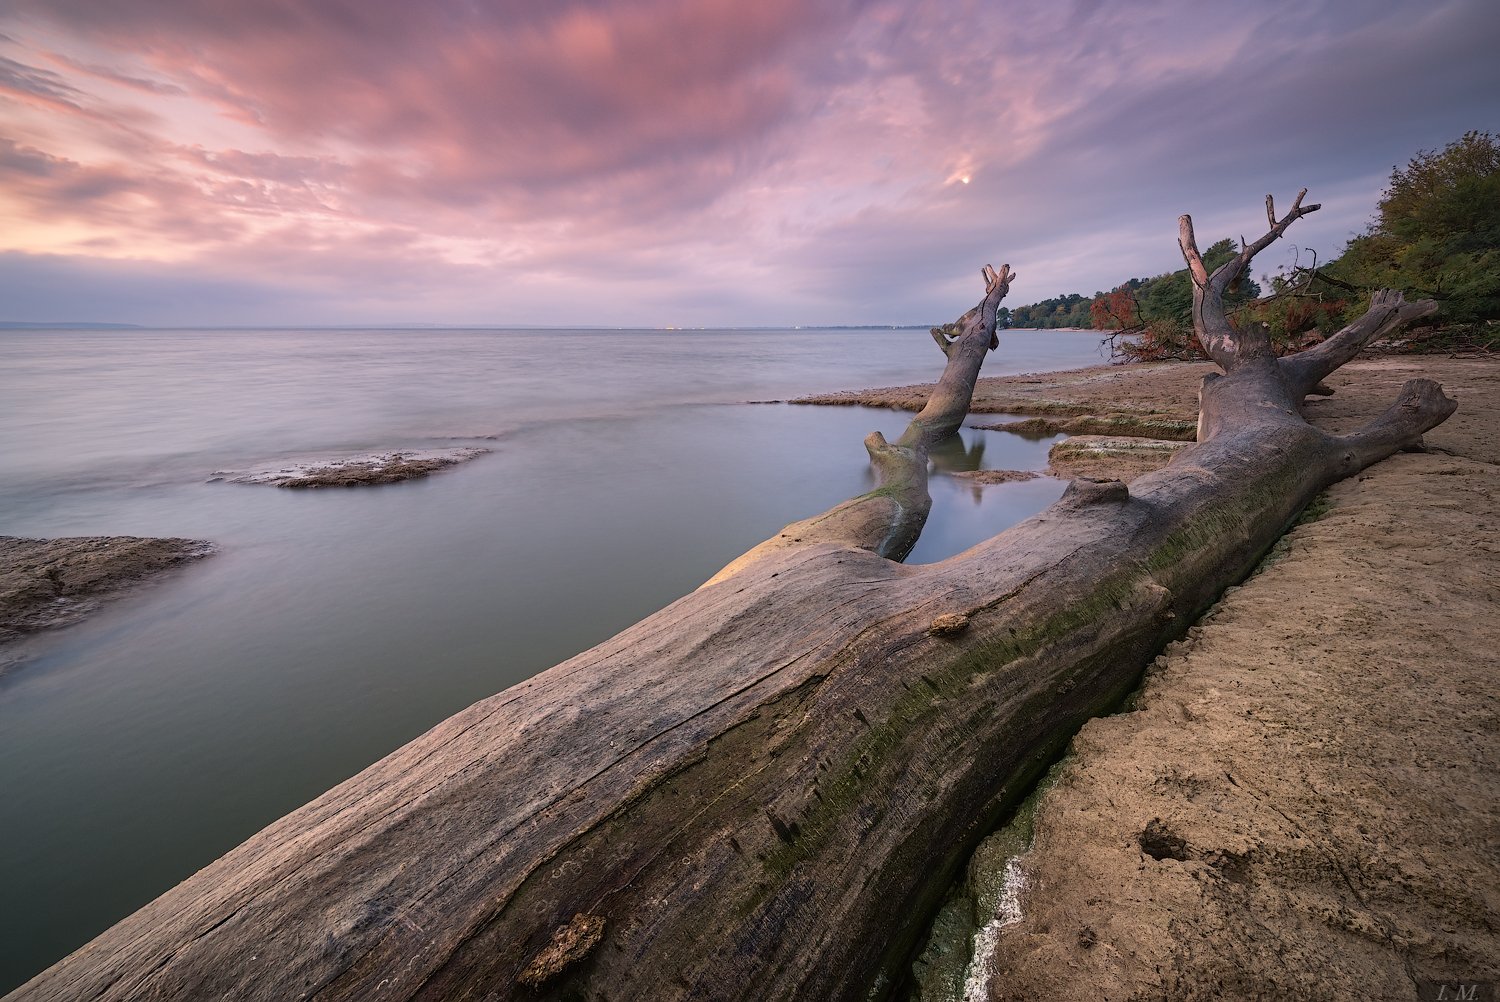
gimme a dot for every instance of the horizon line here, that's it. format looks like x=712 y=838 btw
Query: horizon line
x=112 y=325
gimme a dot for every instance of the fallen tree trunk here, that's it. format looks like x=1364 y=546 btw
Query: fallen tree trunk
x=763 y=790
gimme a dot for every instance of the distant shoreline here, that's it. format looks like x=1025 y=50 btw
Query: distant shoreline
x=27 y=325
x=94 y=325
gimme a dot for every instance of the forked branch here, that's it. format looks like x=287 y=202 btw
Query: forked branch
x=1223 y=342
x=1232 y=269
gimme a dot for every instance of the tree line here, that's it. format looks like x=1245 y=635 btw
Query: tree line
x=1435 y=235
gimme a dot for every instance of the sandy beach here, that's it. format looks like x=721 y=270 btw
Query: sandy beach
x=1303 y=801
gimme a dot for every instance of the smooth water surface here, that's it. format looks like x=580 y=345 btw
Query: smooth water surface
x=334 y=625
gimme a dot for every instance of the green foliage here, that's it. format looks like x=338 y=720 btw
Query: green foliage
x=1158 y=309
x=1304 y=307
x=1449 y=199
x=1070 y=310
x=1436 y=235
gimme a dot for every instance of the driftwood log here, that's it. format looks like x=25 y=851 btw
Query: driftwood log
x=763 y=790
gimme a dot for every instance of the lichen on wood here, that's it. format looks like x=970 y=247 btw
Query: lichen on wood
x=569 y=944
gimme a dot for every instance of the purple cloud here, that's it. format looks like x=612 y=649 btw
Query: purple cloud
x=721 y=162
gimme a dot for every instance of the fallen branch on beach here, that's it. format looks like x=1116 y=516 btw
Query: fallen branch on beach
x=763 y=790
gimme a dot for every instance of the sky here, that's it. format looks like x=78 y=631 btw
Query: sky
x=687 y=162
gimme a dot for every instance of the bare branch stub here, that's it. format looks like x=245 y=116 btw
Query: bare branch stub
x=996 y=286
x=967 y=340
x=1189 y=246
x=1420 y=406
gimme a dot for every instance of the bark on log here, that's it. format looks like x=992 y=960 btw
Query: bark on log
x=763 y=790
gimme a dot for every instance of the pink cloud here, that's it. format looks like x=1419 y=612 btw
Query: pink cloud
x=114 y=76
x=469 y=99
x=808 y=149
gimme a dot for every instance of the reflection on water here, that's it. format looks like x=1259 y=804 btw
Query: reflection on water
x=334 y=625
x=966 y=512
x=1023 y=429
x=959 y=454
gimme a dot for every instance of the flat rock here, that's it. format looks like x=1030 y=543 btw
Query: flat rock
x=1115 y=457
x=1162 y=393
x=995 y=476
x=364 y=470
x=1116 y=424
x=46 y=583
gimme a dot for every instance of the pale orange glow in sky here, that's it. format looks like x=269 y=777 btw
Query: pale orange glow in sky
x=367 y=161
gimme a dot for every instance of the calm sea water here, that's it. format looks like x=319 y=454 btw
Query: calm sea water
x=335 y=625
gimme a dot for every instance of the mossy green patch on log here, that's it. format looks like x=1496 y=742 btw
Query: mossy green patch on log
x=944 y=680
x=1114 y=456
x=943 y=967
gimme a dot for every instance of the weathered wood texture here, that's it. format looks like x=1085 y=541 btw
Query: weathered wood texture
x=763 y=790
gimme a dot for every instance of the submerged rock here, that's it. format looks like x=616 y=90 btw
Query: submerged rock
x=1140 y=426
x=355 y=471
x=995 y=476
